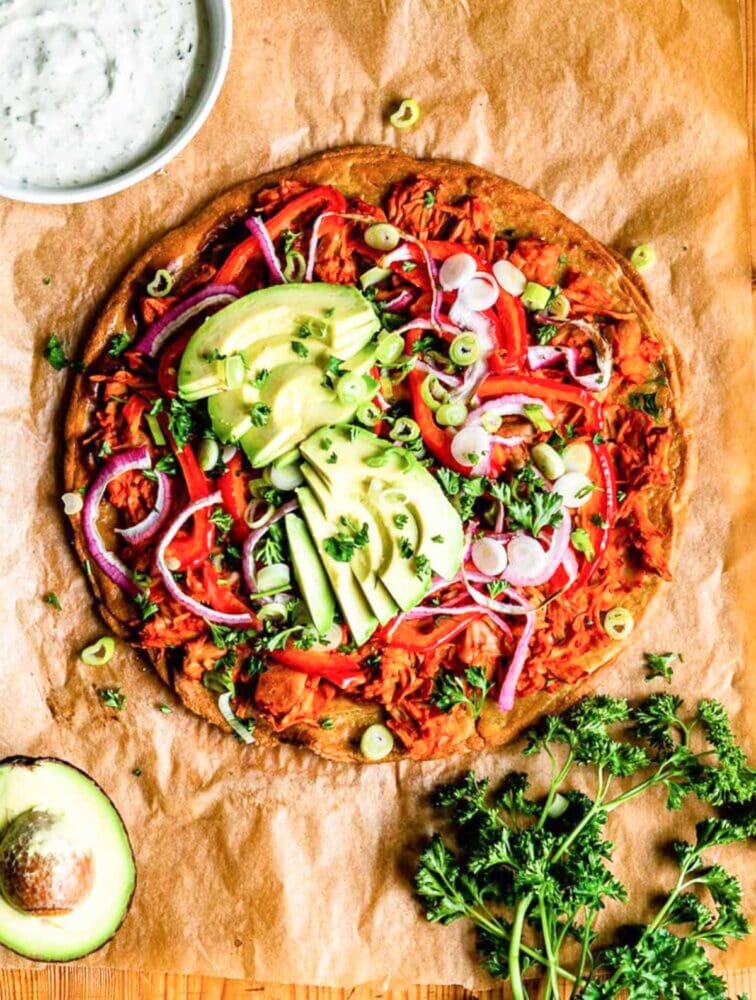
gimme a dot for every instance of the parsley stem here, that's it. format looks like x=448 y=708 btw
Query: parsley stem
x=548 y=945
x=556 y=783
x=584 y=951
x=485 y=919
x=515 y=945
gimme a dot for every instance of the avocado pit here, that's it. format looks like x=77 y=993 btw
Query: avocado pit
x=44 y=870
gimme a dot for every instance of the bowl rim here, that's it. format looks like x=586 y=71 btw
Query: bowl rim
x=220 y=31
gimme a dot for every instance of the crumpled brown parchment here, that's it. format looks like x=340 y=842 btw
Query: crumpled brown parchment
x=628 y=116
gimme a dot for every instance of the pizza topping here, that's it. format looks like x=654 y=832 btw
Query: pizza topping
x=618 y=623
x=643 y=257
x=377 y=742
x=481 y=504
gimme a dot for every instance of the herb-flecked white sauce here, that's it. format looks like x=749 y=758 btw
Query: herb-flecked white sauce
x=89 y=88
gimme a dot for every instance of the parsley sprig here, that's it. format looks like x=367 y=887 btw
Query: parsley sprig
x=543 y=862
x=452 y=689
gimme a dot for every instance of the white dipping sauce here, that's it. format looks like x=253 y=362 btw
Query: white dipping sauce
x=89 y=88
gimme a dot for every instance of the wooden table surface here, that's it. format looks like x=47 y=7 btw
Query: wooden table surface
x=72 y=983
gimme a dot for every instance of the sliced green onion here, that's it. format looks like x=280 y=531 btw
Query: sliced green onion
x=618 y=623
x=295 y=266
x=534 y=413
x=155 y=429
x=368 y=414
x=351 y=389
x=433 y=392
x=382 y=236
x=161 y=284
x=72 y=503
x=535 y=297
x=274 y=576
x=491 y=422
x=406 y=115
x=377 y=742
x=465 y=349
x=252 y=516
x=643 y=256
x=235 y=723
x=286 y=476
x=405 y=429
x=208 y=454
x=234 y=371
x=390 y=348
x=577 y=457
x=451 y=414
x=374 y=276
x=99 y=653
x=273 y=612
x=548 y=461
x=559 y=307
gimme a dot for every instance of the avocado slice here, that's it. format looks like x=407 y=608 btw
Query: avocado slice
x=309 y=574
x=67 y=872
x=360 y=619
x=337 y=315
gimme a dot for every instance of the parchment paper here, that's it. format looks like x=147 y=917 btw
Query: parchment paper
x=629 y=116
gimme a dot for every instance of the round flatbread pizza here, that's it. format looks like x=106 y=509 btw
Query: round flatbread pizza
x=380 y=456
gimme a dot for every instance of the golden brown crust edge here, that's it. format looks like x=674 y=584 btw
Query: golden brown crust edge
x=369 y=171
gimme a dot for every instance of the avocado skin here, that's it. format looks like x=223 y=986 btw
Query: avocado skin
x=19 y=760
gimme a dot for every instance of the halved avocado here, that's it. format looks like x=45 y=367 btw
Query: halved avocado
x=67 y=871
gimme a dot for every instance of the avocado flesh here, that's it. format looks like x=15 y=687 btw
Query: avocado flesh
x=402 y=505
x=309 y=574
x=90 y=818
x=339 y=315
x=360 y=619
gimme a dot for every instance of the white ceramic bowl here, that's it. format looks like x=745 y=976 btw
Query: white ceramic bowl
x=219 y=52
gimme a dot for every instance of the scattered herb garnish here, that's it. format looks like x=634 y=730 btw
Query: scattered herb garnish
x=341 y=546
x=545 y=334
x=53 y=600
x=222 y=520
x=147 y=607
x=112 y=697
x=450 y=689
x=118 y=343
x=660 y=665
x=259 y=414
x=300 y=349
x=261 y=377
x=528 y=504
x=54 y=353
x=581 y=542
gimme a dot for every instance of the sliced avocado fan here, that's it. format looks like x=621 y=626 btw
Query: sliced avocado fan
x=379 y=522
x=270 y=364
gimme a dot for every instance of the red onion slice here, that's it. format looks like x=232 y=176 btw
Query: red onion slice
x=258 y=228
x=443 y=377
x=164 y=328
x=548 y=357
x=507 y=692
x=108 y=562
x=149 y=526
x=196 y=607
x=509 y=406
x=400 y=302
x=248 y=551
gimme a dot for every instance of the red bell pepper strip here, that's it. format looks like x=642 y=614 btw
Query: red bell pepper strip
x=436 y=439
x=340 y=669
x=234 y=493
x=167 y=373
x=411 y=635
x=512 y=333
x=546 y=389
x=324 y=198
x=220 y=598
x=604 y=504
x=192 y=548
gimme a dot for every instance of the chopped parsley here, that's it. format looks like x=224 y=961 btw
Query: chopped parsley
x=300 y=349
x=53 y=600
x=184 y=420
x=400 y=520
x=118 y=343
x=147 y=607
x=423 y=566
x=437 y=539
x=54 y=353
x=260 y=414
x=342 y=545
x=113 y=697
x=327 y=724
x=405 y=547
x=429 y=199
x=222 y=520
x=660 y=665
x=527 y=503
x=271 y=549
x=545 y=334
x=261 y=377
x=450 y=689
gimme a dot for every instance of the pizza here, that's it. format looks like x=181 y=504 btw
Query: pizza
x=380 y=456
